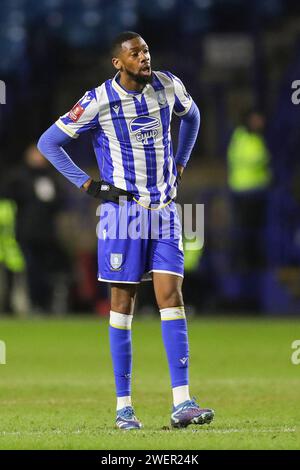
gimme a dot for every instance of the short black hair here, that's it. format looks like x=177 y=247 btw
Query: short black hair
x=122 y=37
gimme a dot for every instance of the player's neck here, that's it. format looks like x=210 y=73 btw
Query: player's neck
x=130 y=84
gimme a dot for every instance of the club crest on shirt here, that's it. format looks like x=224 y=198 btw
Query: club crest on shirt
x=116 y=260
x=144 y=128
x=161 y=98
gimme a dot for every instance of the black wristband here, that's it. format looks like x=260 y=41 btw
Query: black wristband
x=106 y=191
x=98 y=188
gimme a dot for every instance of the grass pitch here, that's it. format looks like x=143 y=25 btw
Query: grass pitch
x=57 y=388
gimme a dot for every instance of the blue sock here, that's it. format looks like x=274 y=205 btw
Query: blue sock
x=121 y=353
x=175 y=338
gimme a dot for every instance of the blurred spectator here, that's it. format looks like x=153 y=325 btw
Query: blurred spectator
x=249 y=178
x=193 y=284
x=37 y=195
x=12 y=263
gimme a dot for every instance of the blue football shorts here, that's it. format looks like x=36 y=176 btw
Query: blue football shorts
x=134 y=241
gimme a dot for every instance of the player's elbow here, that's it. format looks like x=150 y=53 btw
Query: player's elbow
x=42 y=143
x=48 y=142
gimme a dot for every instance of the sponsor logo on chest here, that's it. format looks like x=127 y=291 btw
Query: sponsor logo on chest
x=144 y=128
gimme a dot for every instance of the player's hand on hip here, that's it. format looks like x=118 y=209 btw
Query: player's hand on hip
x=180 y=170
x=106 y=191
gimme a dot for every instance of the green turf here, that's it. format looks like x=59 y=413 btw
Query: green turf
x=57 y=388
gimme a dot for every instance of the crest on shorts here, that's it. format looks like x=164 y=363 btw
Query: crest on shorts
x=116 y=260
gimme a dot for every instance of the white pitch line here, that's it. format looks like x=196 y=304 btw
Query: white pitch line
x=229 y=431
x=206 y=381
x=49 y=401
x=209 y=431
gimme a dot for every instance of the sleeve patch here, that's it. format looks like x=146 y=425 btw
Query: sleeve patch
x=76 y=112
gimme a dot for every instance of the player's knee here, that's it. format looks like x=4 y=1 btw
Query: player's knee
x=170 y=298
x=122 y=299
x=122 y=306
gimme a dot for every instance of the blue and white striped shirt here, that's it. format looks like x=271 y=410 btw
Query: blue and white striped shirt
x=131 y=133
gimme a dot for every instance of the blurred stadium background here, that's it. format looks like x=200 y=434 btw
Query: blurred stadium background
x=233 y=56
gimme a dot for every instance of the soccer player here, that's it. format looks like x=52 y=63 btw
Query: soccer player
x=129 y=118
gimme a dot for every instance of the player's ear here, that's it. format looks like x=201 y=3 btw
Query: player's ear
x=116 y=63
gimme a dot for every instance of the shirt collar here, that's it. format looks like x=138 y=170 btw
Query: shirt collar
x=122 y=90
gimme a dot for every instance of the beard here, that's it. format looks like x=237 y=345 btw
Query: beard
x=141 y=79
